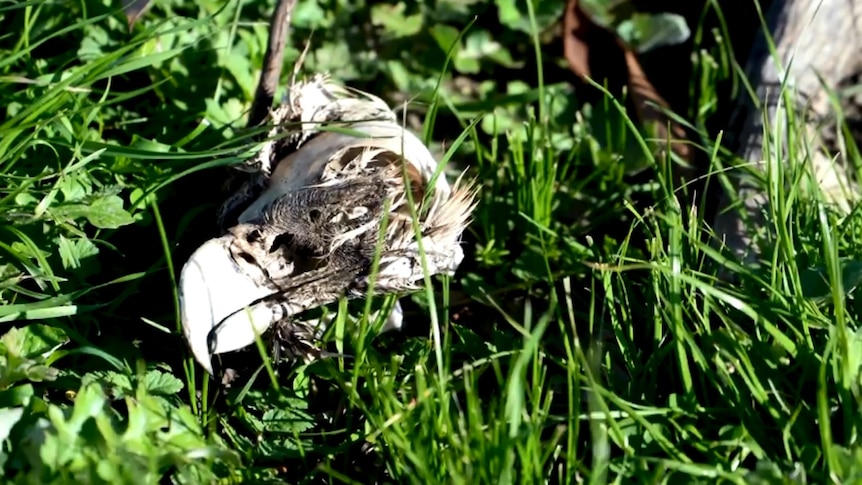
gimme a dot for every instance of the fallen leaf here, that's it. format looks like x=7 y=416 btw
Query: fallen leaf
x=577 y=28
x=584 y=41
x=651 y=109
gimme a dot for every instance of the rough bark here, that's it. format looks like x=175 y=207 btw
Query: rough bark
x=273 y=59
x=817 y=44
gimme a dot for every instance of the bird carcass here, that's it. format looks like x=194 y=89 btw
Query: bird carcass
x=338 y=185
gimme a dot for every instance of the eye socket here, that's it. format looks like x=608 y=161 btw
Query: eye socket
x=286 y=240
x=248 y=258
x=253 y=236
x=314 y=215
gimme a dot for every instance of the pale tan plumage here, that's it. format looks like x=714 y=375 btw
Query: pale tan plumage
x=303 y=230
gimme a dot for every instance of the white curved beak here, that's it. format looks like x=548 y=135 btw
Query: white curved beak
x=217 y=302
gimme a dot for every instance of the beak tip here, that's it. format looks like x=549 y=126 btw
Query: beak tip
x=207 y=367
x=198 y=345
x=196 y=303
x=203 y=357
x=212 y=291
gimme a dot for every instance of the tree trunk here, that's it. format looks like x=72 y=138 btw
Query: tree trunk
x=817 y=43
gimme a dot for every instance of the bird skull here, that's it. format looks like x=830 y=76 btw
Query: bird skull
x=311 y=232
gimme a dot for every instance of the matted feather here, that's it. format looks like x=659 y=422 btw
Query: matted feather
x=303 y=230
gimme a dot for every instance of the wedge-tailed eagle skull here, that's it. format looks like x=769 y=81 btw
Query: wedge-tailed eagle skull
x=304 y=230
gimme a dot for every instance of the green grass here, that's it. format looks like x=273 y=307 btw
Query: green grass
x=585 y=339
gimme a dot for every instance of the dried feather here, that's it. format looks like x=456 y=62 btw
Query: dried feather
x=304 y=230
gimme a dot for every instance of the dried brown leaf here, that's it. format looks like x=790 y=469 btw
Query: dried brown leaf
x=651 y=108
x=135 y=9
x=583 y=39
x=576 y=29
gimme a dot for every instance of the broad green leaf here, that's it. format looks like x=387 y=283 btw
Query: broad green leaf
x=121 y=384
x=394 y=21
x=117 y=384
x=286 y=421
x=137 y=194
x=850 y=463
x=455 y=10
x=25 y=199
x=9 y=417
x=75 y=186
x=30 y=251
x=241 y=69
x=769 y=473
x=105 y=213
x=16 y=396
x=466 y=65
x=152 y=146
x=227 y=113
x=309 y=15
x=23 y=352
x=480 y=45
x=137 y=421
x=648 y=31
x=72 y=251
x=108 y=213
x=399 y=74
x=446 y=37
x=854 y=360
x=510 y=15
x=158 y=382
x=499 y=121
x=607 y=13
x=41 y=373
x=815 y=281
x=90 y=401
x=32 y=341
x=341 y=61
x=515 y=15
